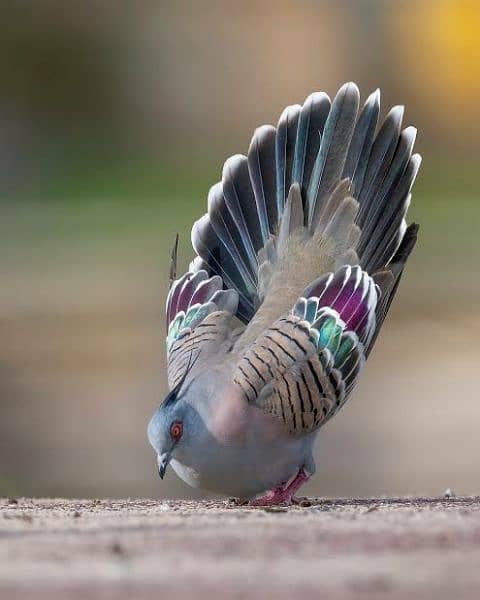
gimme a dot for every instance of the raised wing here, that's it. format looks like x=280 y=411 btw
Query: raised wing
x=304 y=366
x=322 y=189
x=199 y=322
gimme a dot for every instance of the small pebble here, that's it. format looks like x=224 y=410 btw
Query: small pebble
x=304 y=503
x=117 y=549
x=236 y=502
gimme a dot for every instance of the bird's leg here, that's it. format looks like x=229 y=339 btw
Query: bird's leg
x=283 y=494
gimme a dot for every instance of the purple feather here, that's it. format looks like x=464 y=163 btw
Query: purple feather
x=345 y=293
x=173 y=297
x=358 y=319
x=318 y=286
x=188 y=290
x=206 y=290
x=343 y=297
x=331 y=293
x=354 y=299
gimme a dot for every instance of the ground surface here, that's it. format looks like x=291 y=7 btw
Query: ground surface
x=341 y=549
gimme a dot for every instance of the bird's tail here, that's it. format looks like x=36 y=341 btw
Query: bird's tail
x=324 y=188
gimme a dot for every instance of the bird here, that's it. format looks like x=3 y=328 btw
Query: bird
x=297 y=261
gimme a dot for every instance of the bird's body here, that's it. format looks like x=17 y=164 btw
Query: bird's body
x=304 y=243
x=261 y=458
x=240 y=451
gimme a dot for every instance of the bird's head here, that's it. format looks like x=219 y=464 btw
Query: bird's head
x=169 y=428
x=176 y=423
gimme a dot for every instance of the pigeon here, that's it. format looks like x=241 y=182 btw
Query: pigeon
x=297 y=262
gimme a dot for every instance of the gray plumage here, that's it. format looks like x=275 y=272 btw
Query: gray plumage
x=299 y=258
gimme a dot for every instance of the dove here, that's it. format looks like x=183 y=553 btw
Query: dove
x=297 y=262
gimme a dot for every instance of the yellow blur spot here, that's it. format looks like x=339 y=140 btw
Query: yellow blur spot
x=455 y=39
x=437 y=42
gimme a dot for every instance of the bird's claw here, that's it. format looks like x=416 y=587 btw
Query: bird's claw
x=282 y=495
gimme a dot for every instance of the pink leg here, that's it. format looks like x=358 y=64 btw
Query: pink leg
x=283 y=494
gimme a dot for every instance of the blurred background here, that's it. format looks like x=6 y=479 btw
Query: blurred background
x=115 y=119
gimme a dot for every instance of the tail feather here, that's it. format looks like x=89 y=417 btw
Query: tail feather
x=325 y=172
x=293 y=215
x=381 y=205
x=311 y=124
x=380 y=251
x=362 y=140
x=379 y=161
x=388 y=279
x=209 y=246
x=262 y=168
x=380 y=240
x=240 y=200
x=329 y=207
x=340 y=224
x=284 y=151
x=333 y=150
x=223 y=225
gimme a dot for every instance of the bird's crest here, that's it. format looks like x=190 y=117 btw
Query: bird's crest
x=174 y=394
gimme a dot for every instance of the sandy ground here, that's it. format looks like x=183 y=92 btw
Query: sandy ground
x=342 y=549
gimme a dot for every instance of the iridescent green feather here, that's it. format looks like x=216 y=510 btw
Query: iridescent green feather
x=192 y=313
x=330 y=332
x=347 y=344
x=194 y=316
x=312 y=307
x=174 y=328
x=299 y=308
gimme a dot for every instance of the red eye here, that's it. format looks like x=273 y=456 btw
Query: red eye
x=176 y=430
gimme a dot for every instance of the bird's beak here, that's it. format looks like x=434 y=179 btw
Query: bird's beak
x=163 y=460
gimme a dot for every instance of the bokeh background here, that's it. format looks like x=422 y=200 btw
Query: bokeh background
x=115 y=118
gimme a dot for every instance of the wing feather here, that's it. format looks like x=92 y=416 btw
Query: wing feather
x=319 y=192
x=304 y=366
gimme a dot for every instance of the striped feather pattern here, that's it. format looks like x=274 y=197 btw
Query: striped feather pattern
x=303 y=368
x=282 y=373
x=351 y=293
x=198 y=312
x=289 y=376
x=325 y=189
x=331 y=151
x=204 y=340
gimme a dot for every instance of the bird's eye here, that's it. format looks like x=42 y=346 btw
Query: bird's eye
x=176 y=430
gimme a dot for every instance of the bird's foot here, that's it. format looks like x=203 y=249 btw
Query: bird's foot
x=283 y=495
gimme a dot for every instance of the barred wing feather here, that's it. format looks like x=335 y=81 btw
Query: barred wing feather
x=304 y=366
x=324 y=190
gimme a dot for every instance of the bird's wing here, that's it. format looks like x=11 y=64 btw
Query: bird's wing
x=321 y=190
x=199 y=322
x=304 y=366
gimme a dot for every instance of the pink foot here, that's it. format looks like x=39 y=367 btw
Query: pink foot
x=283 y=494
